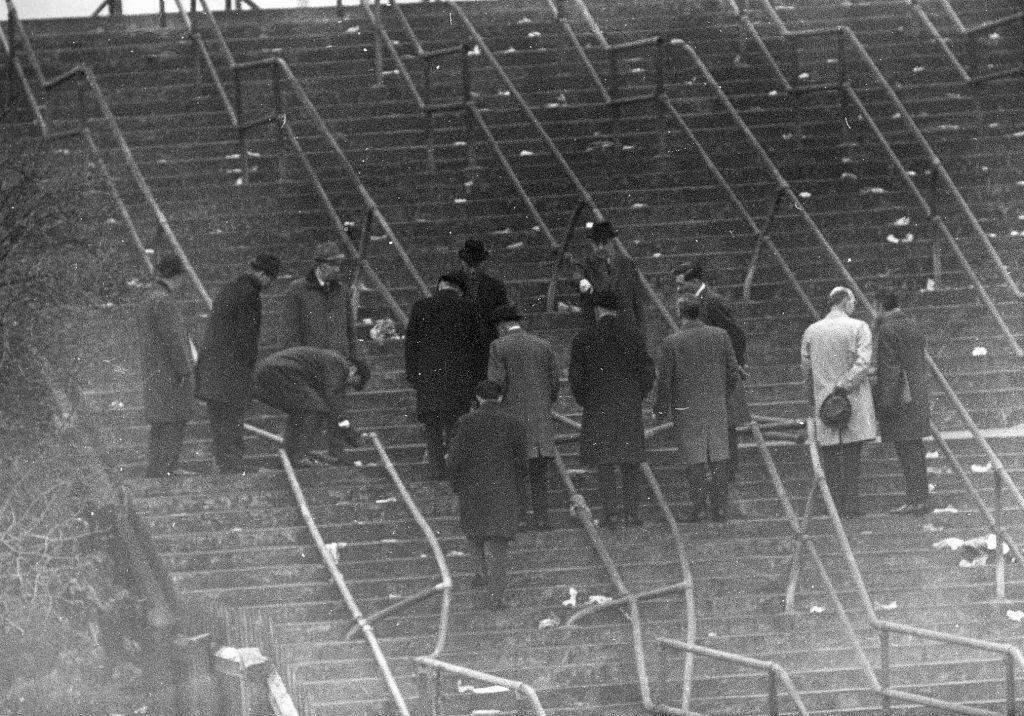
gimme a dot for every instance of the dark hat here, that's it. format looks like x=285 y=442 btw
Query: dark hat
x=690 y=271
x=267 y=263
x=602 y=232
x=327 y=251
x=169 y=266
x=455 y=280
x=489 y=390
x=474 y=252
x=607 y=298
x=506 y=312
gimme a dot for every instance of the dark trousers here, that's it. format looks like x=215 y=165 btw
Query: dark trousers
x=492 y=564
x=226 y=421
x=841 y=464
x=608 y=489
x=165 y=442
x=438 y=432
x=301 y=428
x=915 y=471
x=533 y=490
x=709 y=484
x=732 y=463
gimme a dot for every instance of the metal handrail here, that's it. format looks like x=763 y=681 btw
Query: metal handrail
x=339 y=581
x=442 y=588
x=775 y=672
x=1013 y=656
x=519 y=687
x=580 y=510
x=283 y=73
x=849 y=37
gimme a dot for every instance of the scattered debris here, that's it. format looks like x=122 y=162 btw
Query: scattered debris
x=804 y=76
x=1014 y=615
x=526 y=153
x=549 y=622
x=981 y=469
x=385 y=500
x=929 y=286
x=384 y=330
x=804 y=195
x=886 y=607
x=929 y=527
x=598 y=599
x=947 y=127
x=524 y=21
x=902 y=221
x=948 y=509
x=460 y=200
x=475 y=52
x=848 y=175
x=354 y=30
x=979 y=352
x=455 y=553
x=897 y=115
x=515 y=245
x=533 y=34
x=639 y=205
x=815 y=609
x=470 y=689
x=571 y=601
x=873 y=190
x=917 y=69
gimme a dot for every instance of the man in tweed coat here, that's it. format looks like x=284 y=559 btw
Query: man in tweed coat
x=526 y=366
x=168 y=384
x=836 y=352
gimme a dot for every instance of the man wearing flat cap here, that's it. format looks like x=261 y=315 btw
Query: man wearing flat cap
x=316 y=312
x=605 y=267
x=716 y=312
x=226 y=360
x=483 y=289
x=487 y=462
x=526 y=366
x=442 y=348
x=610 y=373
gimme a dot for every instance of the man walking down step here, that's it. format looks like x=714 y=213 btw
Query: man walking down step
x=168 y=384
x=442 y=348
x=526 y=366
x=836 y=353
x=610 y=373
x=316 y=312
x=487 y=463
x=715 y=311
x=309 y=385
x=901 y=395
x=605 y=268
x=484 y=290
x=228 y=356
x=697 y=371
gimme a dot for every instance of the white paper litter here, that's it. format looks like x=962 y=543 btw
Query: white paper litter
x=515 y=245
x=947 y=127
x=470 y=689
x=386 y=500
x=639 y=205
x=918 y=69
x=886 y=607
x=455 y=553
x=571 y=601
x=981 y=469
x=931 y=487
x=460 y=200
x=804 y=76
x=548 y=623
x=953 y=543
x=475 y=52
x=524 y=21
x=897 y=115
x=980 y=561
x=804 y=195
x=902 y=221
x=533 y=34
x=354 y=30
x=932 y=455
x=979 y=351
x=929 y=285
x=929 y=527
x=873 y=190
x=598 y=599
x=948 y=509
x=994 y=36
x=847 y=175
x=526 y=153
x=509 y=51
x=815 y=609
x=1014 y=615
x=773 y=93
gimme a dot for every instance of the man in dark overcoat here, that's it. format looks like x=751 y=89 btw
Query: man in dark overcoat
x=316 y=311
x=606 y=268
x=487 y=462
x=226 y=360
x=309 y=385
x=715 y=311
x=168 y=383
x=904 y=415
x=610 y=373
x=697 y=370
x=442 y=344
x=526 y=366
x=486 y=291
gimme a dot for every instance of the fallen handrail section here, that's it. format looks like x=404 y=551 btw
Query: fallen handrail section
x=339 y=581
x=442 y=588
x=776 y=674
x=437 y=666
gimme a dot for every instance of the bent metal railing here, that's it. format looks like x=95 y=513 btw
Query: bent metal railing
x=433 y=668
x=284 y=77
x=444 y=587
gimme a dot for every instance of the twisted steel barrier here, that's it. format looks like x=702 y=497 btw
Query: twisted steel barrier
x=435 y=667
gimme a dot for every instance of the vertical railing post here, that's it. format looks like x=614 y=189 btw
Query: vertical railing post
x=997 y=487
x=1011 y=685
x=773 y=693
x=844 y=101
x=467 y=103
x=280 y=122
x=378 y=44
x=243 y=148
x=885 y=677
x=936 y=239
x=163 y=14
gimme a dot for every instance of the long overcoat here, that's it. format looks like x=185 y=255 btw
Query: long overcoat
x=229 y=352
x=486 y=461
x=837 y=351
x=321 y=317
x=618 y=273
x=899 y=349
x=442 y=344
x=697 y=371
x=610 y=373
x=168 y=383
x=715 y=311
x=304 y=380
x=487 y=292
x=527 y=366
